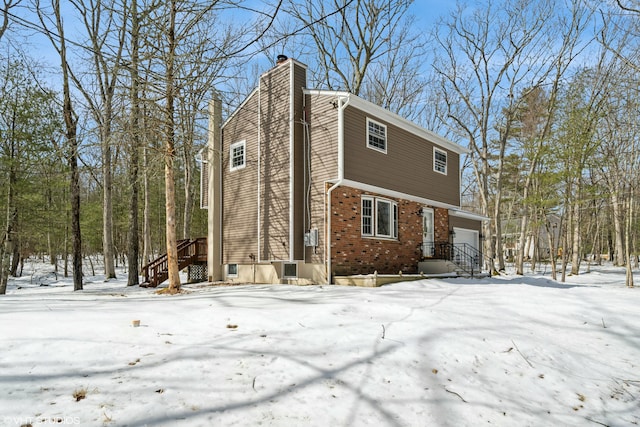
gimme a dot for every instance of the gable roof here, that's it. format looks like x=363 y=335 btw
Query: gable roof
x=392 y=118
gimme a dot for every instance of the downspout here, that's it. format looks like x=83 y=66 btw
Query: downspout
x=291 y=162
x=342 y=104
x=258 y=254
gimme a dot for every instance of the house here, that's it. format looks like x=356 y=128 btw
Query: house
x=307 y=186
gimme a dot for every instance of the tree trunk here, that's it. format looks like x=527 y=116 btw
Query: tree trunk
x=7 y=246
x=618 y=227
x=627 y=241
x=133 y=245
x=146 y=221
x=72 y=142
x=188 y=197
x=169 y=157
x=107 y=207
x=576 y=249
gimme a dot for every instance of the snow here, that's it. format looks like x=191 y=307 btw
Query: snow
x=506 y=351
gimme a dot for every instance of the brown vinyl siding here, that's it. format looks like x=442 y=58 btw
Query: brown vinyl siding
x=267 y=114
x=239 y=215
x=469 y=224
x=406 y=167
x=275 y=162
x=322 y=119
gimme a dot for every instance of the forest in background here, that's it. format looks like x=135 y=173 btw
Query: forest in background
x=103 y=115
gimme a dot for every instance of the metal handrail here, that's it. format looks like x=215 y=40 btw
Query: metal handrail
x=463 y=255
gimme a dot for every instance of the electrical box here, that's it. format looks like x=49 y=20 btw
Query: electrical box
x=311 y=237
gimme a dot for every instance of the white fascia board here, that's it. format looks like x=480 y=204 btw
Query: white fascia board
x=468 y=215
x=240 y=107
x=396 y=194
x=392 y=118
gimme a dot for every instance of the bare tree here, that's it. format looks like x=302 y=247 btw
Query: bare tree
x=5 y=11
x=536 y=125
x=367 y=47
x=105 y=42
x=483 y=59
x=133 y=245
x=54 y=30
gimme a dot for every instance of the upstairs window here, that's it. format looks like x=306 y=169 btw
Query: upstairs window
x=238 y=155
x=379 y=218
x=440 y=161
x=376 y=136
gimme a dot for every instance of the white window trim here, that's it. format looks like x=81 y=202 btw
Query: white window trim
x=372 y=216
x=232 y=147
x=386 y=139
x=446 y=163
x=232 y=274
x=393 y=218
x=284 y=264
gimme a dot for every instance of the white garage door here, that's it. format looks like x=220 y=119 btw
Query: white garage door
x=463 y=235
x=470 y=238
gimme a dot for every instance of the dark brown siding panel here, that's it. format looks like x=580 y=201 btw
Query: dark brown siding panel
x=406 y=167
x=469 y=224
x=299 y=228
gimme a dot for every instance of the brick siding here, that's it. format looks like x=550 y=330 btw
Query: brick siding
x=351 y=253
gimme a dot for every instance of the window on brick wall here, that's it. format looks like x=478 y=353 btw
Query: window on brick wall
x=379 y=217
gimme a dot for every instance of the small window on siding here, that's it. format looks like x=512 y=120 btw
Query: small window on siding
x=440 y=161
x=376 y=136
x=238 y=155
x=290 y=270
x=232 y=270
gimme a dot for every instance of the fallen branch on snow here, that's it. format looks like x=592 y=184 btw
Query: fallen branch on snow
x=453 y=392
x=525 y=359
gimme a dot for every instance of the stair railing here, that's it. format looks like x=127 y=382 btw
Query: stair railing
x=463 y=255
x=189 y=251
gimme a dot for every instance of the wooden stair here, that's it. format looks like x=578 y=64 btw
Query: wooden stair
x=190 y=252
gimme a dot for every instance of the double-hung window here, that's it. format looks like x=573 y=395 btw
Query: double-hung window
x=238 y=155
x=439 y=161
x=376 y=136
x=379 y=217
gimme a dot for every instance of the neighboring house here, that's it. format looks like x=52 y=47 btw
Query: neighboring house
x=305 y=185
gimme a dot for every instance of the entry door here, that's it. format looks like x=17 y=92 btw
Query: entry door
x=428 y=248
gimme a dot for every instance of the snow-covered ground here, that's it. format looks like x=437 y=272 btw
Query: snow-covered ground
x=507 y=351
